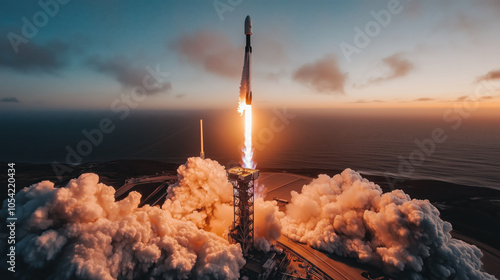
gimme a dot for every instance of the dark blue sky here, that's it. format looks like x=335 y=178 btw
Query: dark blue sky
x=89 y=54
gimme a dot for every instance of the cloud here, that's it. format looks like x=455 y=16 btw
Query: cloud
x=9 y=100
x=398 y=67
x=323 y=75
x=465 y=97
x=271 y=49
x=204 y=197
x=361 y=101
x=79 y=231
x=34 y=57
x=127 y=74
x=350 y=216
x=491 y=5
x=211 y=51
x=424 y=99
x=461 y=23
x=492 y=75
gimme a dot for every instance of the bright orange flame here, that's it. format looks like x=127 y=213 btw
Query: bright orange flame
x=247 y=158
x=241 y=107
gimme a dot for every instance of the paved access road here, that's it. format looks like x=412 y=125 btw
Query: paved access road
x=335 y=269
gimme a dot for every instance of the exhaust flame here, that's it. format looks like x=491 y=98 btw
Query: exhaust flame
x=245 y=109
x=247 y=157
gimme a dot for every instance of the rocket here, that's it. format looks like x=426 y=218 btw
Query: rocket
x=246 y=79
x=248 y=33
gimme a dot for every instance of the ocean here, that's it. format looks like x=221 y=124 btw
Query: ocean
x=415 y=146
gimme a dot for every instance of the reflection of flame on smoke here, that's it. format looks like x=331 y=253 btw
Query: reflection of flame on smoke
x=247 y=158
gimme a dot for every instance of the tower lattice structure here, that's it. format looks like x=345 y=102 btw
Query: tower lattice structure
x=242 y=229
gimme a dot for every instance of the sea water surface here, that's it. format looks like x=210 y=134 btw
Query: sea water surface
x=378 y=144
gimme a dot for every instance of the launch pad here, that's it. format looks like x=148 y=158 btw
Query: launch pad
x=242 y=229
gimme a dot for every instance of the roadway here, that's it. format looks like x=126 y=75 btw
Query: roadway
x=130 y=183
x=333 y=268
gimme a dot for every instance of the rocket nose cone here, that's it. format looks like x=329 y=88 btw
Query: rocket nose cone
x=248 y=25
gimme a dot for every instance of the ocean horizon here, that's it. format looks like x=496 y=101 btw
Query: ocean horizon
x=402 y=146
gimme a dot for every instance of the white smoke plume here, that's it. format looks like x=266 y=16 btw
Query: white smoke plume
x=267 y=223
x=204 y=196
x=80 y=231
x=349 y=216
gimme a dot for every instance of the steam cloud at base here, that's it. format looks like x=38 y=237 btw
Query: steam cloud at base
x=204 y=196
x=80 y=231
x=349 y=216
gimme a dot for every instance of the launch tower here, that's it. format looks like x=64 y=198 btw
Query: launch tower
x=242 y=229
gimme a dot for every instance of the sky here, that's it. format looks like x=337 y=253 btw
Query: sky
x=100 y=55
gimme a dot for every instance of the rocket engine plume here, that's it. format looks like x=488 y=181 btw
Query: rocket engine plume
x=247 y=148
x=245 y=100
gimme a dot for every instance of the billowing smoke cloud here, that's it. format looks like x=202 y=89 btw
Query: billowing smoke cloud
x=80 y=231
x=128 y=75
x=211 y=51
x=204 y=196
x=350 y=216
x=267 y=223
x=323 y=75
x=492 y=75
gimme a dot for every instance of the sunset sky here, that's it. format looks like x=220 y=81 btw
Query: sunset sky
x=89 y=54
